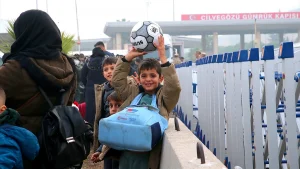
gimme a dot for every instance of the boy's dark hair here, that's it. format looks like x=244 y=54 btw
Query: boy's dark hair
x=2 y=96
x=100 y=43
x=109 y=61
x=149 y=63
x=114 y=96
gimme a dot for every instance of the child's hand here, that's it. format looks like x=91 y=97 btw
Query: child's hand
x=95 y=157
x=161 y=49
x=136 y=78
x=133 y=54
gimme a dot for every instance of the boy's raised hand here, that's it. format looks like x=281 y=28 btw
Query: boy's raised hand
x=133 y=54
x=161 y=49
x=136 y=78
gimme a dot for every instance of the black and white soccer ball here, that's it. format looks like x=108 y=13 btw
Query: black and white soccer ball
x=144 y=34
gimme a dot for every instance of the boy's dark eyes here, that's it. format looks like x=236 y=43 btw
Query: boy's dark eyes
x=111 y=105
x=151 y=75
x=106 y=69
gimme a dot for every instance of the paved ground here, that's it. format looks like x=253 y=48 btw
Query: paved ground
x=88 y=164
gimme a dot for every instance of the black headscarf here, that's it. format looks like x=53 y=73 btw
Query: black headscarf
x=38 y=37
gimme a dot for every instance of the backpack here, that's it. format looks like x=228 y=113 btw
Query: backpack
x=65 y=137
x=136 y=128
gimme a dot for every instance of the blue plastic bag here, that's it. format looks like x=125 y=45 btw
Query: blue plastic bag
x=136 y=128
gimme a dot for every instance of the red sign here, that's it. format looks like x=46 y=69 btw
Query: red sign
x=240 y=16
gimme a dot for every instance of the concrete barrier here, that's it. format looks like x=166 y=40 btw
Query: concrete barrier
x=179 y=150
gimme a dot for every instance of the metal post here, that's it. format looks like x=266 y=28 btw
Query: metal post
x=220 y=75
x=77 y=26
x=147 y=8
x=173 y=10
x=290 y=107
x=256 y=109
x=271 y=116
x=254 y=41
x=47 y=6
x=37 y=4
x=246 y=113
x=0 y=10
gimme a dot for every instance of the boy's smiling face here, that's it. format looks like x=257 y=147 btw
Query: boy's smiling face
x=150 y=80
x=108 y=71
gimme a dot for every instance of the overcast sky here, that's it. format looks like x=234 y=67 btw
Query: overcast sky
x=93 y=14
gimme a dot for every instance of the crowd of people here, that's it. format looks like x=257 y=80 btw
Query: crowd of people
x=176 y=59
x=99 y=86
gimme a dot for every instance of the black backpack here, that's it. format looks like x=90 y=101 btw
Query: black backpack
x=65 y=137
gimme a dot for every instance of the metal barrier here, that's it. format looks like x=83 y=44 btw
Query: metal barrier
x=247 y=112
x=182 y=150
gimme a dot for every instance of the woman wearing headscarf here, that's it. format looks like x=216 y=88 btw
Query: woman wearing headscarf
x=36 y=60
x=92 y=74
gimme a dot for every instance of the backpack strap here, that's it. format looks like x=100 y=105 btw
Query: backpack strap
x=28 y=102
x=45 y=97
x=60 y=98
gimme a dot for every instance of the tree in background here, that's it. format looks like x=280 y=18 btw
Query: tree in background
x=5 y=45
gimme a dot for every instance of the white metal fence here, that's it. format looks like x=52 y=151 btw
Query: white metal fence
x=245 y=108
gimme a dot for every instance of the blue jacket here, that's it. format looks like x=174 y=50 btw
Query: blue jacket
x=109 y=54
x=15 y=143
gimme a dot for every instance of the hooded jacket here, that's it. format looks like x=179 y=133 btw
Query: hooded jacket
x=15 y=142
x=36 y=60
x=91 y=72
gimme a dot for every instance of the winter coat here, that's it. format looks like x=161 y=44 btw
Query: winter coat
x=16 y=142
x=92 y=74
x=167 y=97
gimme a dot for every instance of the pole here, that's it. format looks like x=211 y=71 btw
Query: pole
x=78 y=43
x=173 y=10
x=37 y=4
x=147 y=9
x=47 y=6
x=0 y=10
x=252 y=41
x=255 y=33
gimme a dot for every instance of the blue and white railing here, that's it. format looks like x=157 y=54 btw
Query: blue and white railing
x=248 y=110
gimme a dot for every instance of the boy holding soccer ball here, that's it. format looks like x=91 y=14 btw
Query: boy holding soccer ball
x=150 y=75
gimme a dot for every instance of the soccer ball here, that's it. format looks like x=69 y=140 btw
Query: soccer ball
x=144 y=34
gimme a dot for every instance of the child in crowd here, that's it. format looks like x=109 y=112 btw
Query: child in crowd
x=114 y=103
x=151 y=73
x=102 y=105
x=15 y=142
x=81 y=108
